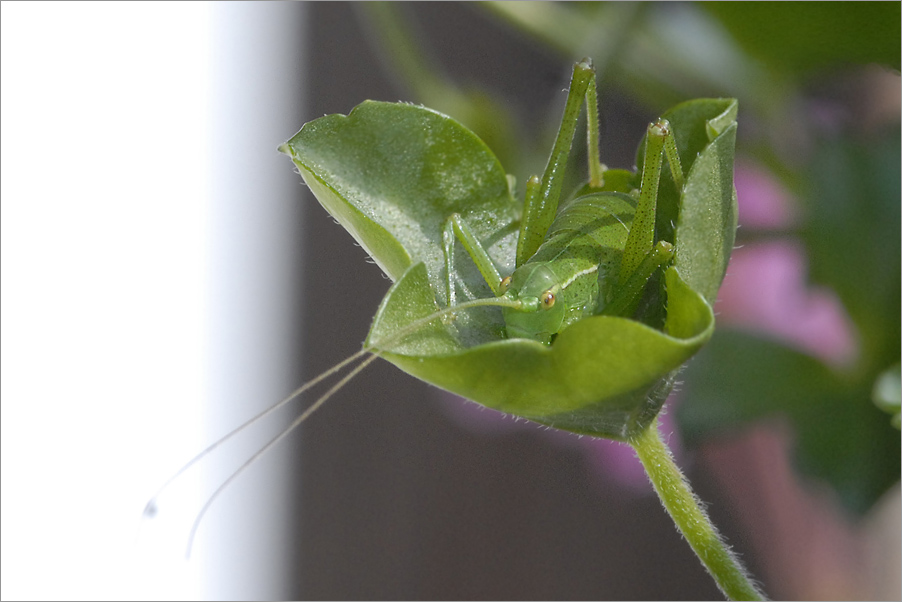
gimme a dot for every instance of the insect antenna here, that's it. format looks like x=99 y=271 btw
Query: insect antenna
x=374 y=349
x=275 y=440
x=150 y=509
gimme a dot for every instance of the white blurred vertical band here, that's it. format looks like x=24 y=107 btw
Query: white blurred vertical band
x=147 y=237
x=258 y=70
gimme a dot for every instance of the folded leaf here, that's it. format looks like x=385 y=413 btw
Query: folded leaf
x=392 y=175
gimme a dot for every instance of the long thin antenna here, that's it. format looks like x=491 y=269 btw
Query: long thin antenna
x=150 y=509
x=273 y=442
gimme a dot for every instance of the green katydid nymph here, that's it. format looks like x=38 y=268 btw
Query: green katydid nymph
x=574 y=313
x=594 y=256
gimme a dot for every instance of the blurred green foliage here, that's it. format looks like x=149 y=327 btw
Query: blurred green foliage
x=802 y=37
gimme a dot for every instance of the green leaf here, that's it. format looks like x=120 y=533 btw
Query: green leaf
x=392 y=174
x=594 y=379
x=706 y=226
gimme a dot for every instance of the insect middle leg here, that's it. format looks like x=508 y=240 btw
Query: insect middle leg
x=626 y=297
x=457 y=227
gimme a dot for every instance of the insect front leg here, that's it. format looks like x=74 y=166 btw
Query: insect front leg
x=456 y=227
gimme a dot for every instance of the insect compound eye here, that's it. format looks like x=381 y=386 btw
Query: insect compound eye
x=547 y=300
x=505 y=284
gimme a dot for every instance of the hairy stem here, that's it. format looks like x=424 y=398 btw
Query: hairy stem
x=691 y=520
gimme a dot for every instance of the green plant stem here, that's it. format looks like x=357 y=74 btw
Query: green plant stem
x=690 y=518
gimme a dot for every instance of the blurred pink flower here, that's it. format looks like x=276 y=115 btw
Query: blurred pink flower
x=766 y=288
x=766 y=291
x=763 y=204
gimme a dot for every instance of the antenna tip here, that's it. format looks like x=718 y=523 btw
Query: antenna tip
x=151 y=509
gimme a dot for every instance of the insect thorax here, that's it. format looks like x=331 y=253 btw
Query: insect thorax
x=584 y=247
